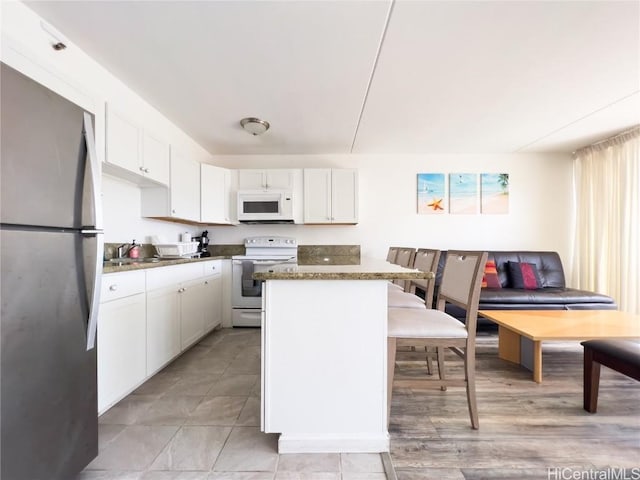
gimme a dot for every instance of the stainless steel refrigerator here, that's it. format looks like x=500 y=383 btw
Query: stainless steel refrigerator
x=51 y=262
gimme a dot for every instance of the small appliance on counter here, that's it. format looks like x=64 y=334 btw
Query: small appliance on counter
x=203 y=244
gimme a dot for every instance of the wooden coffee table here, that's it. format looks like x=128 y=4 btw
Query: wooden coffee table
x=521 y=332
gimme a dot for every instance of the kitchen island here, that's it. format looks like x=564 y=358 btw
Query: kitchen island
x=324 y=355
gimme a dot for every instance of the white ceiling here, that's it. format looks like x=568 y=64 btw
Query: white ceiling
x=373 y=76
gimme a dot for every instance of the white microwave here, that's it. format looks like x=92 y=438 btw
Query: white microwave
x=271 y=206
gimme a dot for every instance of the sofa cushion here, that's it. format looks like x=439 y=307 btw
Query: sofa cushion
x=490 y=278
x=524 y=275
x=548 y=264
x=558 y=296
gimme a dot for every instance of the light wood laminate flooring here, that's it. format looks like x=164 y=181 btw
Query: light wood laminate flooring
x=525 y=428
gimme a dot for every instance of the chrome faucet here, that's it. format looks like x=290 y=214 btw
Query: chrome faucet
x=122 y=250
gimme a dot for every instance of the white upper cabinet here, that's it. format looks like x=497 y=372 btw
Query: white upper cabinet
x=133 y=153
x=215 y=194
x=269 y=179
x=123 y=142
x=155 y=158
x=185 y=187
x=344 y=195
x=330 y=195
x=181 y=201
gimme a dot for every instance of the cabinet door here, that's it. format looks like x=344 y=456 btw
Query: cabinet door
x=123 y=142
x=212 y=302
x=185 y=187
x=279 y=179
x=317 y=195
x=192 y=296
x=155 y=159
x=215 y=189
x=121 y=348
x=344 y=196
x=251 y=180
x=163 y=327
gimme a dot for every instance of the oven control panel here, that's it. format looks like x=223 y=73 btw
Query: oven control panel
x=270 y=242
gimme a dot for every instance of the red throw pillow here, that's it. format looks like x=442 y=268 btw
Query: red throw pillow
x=490 y=278
x=524 y=275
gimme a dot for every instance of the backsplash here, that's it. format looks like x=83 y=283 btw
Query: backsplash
x=307 y=254
x=226 y=250
x=147 y=250
x=329 y=254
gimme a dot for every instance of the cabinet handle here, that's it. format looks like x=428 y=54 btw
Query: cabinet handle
x=206 y=282
x=113 y=287
x=173 y=211
x=141 y=169
x=146 y=170
x=213 y=268
x=181 y=290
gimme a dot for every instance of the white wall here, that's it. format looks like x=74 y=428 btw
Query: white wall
x=122 y=220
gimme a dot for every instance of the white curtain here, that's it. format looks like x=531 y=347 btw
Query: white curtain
x=607 y=229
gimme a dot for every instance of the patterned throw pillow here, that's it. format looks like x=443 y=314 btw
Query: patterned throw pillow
x=524 y=275
x=490 y=278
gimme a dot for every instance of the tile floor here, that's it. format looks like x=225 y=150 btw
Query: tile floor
x=199 y=419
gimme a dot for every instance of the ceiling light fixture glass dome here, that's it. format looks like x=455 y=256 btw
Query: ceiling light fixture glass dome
x=254 y=126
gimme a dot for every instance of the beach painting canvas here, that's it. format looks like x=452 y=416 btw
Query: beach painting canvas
x=494 y=188
x=431 y=198
x=463 y=193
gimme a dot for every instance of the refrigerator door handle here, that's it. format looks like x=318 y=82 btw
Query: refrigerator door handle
x=94 y=301
x=94 y=170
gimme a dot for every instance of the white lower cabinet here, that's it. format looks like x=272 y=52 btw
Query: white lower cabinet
x=191 y=312
x=212 y=302
x=148 y=317
x=121 y=337
x=163 y=327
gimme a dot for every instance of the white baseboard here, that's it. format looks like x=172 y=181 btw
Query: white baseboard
x=292 y=443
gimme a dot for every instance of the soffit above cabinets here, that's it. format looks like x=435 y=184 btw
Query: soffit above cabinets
x=372 y=76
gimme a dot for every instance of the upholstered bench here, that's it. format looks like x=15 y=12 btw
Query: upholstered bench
x=620 y=355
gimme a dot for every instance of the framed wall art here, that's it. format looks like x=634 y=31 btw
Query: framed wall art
x=431 y=193
x=494 y=192
x=463 y=193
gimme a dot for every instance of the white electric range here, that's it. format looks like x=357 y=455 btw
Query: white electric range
x=261 y=253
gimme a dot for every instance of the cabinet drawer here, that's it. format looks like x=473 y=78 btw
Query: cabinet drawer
x=213 y=267
x=119 y=285
x=173 y=275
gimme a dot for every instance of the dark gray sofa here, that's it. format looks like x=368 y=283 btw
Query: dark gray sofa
x=554 y=295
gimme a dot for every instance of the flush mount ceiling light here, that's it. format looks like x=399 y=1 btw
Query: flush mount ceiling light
x=254 y=126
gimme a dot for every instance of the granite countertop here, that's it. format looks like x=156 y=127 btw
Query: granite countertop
x=110 y=267
x=367 y=269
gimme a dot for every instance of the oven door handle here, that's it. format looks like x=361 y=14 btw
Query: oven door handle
x=263 y=262
x=268 y=262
